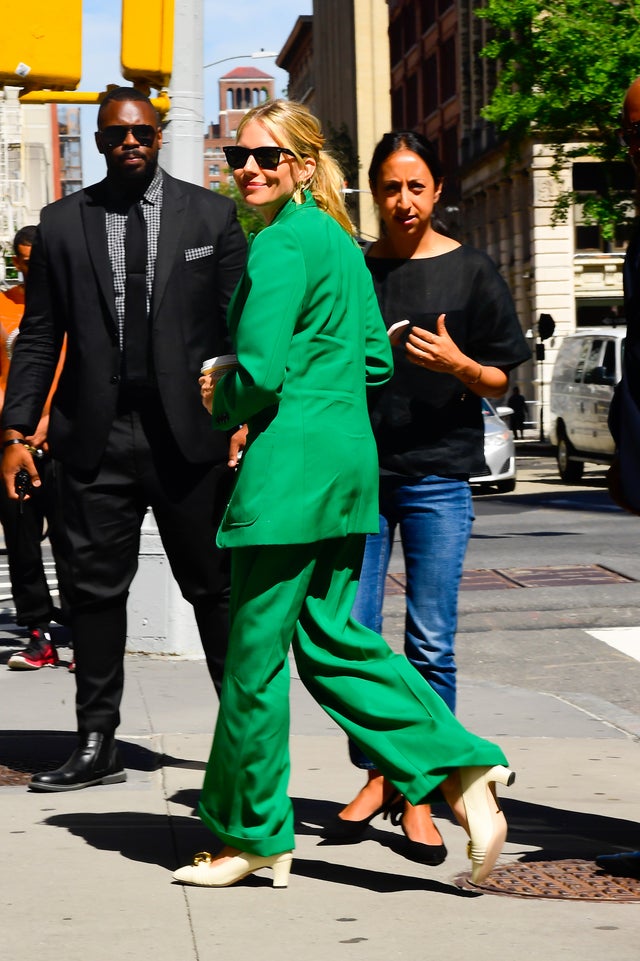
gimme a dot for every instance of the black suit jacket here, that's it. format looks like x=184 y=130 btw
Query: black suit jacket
x=70 y=291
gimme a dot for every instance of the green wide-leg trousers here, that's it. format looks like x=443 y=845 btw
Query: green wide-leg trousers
x=301 y=596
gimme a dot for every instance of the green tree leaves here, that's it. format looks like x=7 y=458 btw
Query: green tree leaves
x=563 y=69
x=250 y=220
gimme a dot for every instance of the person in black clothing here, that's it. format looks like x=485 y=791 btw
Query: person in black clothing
x=458 y=338
x=624 y=413
x=24 y=523
x=137 y=272
x=518 y=405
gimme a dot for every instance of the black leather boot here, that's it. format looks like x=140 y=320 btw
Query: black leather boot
x=95 y=761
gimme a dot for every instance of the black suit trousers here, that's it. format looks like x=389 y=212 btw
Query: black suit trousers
x=23 y=526
x=142 y=467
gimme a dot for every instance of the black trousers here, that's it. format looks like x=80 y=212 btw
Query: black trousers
x=103 y=510
x=23 y=527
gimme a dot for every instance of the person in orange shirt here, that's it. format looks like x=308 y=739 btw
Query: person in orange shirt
x=23 y=523
x=12 y=304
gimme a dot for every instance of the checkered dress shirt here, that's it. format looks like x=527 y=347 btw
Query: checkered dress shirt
x=116 y=228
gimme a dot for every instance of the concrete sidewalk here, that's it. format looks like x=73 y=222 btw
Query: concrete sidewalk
x=86 y=875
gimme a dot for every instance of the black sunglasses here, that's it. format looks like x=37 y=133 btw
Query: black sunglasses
x=116 y=134
x=267 y=158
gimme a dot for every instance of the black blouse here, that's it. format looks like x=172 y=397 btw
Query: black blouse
x=427 y=422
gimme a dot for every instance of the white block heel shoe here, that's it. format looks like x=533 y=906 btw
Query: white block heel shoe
x=487 y=823
x=206 y=872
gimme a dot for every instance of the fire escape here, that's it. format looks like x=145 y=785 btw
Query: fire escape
x=12 y=185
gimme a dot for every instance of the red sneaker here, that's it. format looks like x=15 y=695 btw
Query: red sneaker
x=39 y=652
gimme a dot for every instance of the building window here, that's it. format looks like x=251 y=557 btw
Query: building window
x=428 y=14
x=409 y=26
x=395 y=40
x=397 y=109
x=591 y=177
x=430 y=85
x=412 y=101
x=587 y=236
x=608 y=313
x=214 y=185
x=448 y=69
x=450 y=149
x=214 y=170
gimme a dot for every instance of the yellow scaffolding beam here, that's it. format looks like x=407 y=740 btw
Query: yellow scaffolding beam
x=161 y=102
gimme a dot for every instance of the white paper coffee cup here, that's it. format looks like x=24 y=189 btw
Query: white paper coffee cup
x=219 y=365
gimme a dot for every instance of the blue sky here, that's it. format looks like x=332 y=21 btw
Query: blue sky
x=229 y=29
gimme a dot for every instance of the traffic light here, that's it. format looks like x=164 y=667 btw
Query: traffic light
x=146 y=48
x=41 y=44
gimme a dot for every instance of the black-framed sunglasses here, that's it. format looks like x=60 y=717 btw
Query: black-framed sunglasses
x=116 y=134
x=267 y=158
x=630 y=133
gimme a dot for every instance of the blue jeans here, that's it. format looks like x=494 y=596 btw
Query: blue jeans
x=435 y=515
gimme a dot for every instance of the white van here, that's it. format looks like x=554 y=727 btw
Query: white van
x=588 y=366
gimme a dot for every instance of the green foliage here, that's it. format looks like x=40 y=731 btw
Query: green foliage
x=340 y=146
x=249 y=218
x=563 y=69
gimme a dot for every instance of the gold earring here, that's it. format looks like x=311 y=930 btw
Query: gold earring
x=298 y=193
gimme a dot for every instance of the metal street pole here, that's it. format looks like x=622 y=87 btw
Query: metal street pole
x=160 y=620
x=182 y=151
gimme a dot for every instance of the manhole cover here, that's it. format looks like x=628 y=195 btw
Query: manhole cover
x=564 y=880
x=22 y=755
x=9 y=776
x=16 y=773
x=575 y=575
x=486 y=580
x=565 y=575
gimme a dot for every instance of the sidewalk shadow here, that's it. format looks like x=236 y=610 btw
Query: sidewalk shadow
x=155 y=839
x=32 y=751
x=556 y=833
x=560 y=833
x=168 y=841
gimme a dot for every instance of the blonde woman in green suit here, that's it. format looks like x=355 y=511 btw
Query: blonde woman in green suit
x=310 y=340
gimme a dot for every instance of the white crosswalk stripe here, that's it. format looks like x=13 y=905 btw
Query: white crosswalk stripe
x=5 y=582
x=624 y=639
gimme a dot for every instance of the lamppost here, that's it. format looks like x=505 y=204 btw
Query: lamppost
x=257 y=55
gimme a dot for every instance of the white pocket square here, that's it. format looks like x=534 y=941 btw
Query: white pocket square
x=196 y=253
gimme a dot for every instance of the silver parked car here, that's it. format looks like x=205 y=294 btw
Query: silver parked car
x=499 y=450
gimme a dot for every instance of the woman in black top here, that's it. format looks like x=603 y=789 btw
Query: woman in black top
x=461 y=339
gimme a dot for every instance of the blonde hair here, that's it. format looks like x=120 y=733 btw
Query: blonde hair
x=292 y=125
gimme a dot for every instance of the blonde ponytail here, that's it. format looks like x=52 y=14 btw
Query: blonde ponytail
x=292 y=125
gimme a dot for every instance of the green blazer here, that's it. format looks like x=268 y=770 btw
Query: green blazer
x=310 y=339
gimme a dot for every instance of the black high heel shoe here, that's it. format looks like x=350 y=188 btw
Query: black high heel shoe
x=347 y=832
x=419 y=851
